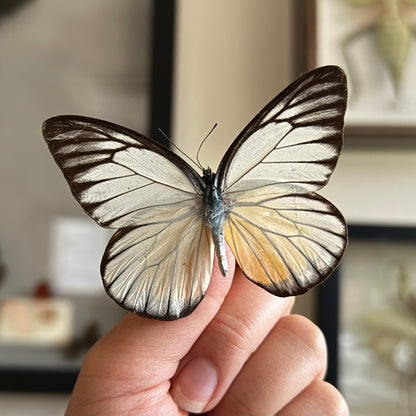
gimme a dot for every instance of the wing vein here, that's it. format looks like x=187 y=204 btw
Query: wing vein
x=195 y=262
x=155 y=181
x=263 y=157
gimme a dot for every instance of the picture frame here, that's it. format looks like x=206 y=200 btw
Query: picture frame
x=356 y=35
x=32 y=375
x=367 y=311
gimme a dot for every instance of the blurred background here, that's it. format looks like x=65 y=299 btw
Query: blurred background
x=183 y=66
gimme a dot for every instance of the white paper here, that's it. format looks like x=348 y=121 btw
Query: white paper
x=77 y=246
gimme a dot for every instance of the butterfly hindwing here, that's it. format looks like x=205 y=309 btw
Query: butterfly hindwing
x=159 y=270
x=286 y=243
x=285 y=237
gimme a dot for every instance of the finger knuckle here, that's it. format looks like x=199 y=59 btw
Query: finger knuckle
x=234 y=332
x=310 y=338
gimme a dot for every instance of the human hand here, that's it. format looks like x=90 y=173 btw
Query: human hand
x=238 y=353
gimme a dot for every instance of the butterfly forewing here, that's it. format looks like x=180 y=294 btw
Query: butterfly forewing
x=294 y=141
x=285 y=237
x=118 y=176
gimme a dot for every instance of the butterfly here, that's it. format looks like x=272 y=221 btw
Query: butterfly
x=170 y=220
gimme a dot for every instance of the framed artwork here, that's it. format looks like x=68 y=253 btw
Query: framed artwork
x=368 y=314
x=374 y=41
x=117 y=65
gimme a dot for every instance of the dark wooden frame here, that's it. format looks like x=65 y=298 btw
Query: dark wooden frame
x=329 y=296
x=61 y=380
x=356 y=135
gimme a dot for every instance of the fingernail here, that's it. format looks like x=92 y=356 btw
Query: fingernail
x=195 y=385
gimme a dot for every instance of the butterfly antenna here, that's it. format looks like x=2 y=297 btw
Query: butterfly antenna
x=202 y=143
x=178 y=149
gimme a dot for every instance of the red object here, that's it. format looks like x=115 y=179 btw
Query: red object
x=42 y=290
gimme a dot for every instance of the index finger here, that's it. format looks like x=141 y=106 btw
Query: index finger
x=240 y=326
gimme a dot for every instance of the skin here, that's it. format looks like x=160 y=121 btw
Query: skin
x=240 y=352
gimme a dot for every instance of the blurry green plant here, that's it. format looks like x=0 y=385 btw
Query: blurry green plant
x=393 y=32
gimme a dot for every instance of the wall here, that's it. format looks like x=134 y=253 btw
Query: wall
x=375 y=186
x=231 y=58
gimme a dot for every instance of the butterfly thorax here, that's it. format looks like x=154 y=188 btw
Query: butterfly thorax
x=214 y=217
x=214 y=205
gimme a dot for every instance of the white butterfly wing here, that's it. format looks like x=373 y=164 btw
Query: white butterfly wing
x=159 y=263
x=159 y=270
x=119 y=177
x=286 y=244
x=285 y=237
x=294 y=141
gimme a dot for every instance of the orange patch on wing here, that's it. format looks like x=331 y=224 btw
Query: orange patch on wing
x=256 y=256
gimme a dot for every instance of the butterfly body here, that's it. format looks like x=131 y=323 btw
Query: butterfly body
x=169 y=220
x=215 y=212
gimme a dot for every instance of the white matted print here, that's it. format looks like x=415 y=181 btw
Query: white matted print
x=374 y=41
